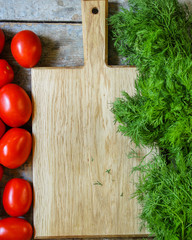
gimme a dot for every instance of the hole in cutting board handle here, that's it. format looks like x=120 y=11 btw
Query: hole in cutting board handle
x=95 y=10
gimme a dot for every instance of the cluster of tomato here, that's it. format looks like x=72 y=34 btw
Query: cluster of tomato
x=16 y=142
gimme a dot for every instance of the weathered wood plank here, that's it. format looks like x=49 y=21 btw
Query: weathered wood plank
x=47 y=10
x=62 y=45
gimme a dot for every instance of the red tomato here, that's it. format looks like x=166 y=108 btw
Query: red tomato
x=26 y=48
x=15 y=229
x=17 y=197
x=15 y=147
x=2 y=128
x=6 y=73
x=2 y=40
x=15 y=105
x=1 y=172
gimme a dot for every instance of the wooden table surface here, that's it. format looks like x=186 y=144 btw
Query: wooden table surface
x=58 y=23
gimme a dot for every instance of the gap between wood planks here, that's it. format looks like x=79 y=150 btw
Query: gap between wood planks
x=41 y=21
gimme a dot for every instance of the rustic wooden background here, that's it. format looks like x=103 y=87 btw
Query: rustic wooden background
x=58 y=23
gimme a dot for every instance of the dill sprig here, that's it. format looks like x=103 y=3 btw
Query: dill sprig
x=98 y=183
x=165 y=194
x=155 y=36
x=108 y=171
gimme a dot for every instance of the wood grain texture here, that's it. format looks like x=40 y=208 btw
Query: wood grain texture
x=47 y=10
x=62 y=46
x=52 y=10
x=75 y=142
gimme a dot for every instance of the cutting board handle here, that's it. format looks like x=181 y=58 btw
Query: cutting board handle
x=95 y=31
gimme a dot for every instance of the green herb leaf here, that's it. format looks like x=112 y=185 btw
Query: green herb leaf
x=156 y=37
x=98 y=183
x=108 y=171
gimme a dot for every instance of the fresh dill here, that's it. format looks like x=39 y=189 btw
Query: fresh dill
x=98 y=183
x=156 y=37
x=108 y=171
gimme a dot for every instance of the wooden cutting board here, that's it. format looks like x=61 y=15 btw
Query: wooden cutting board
x=81 y=173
